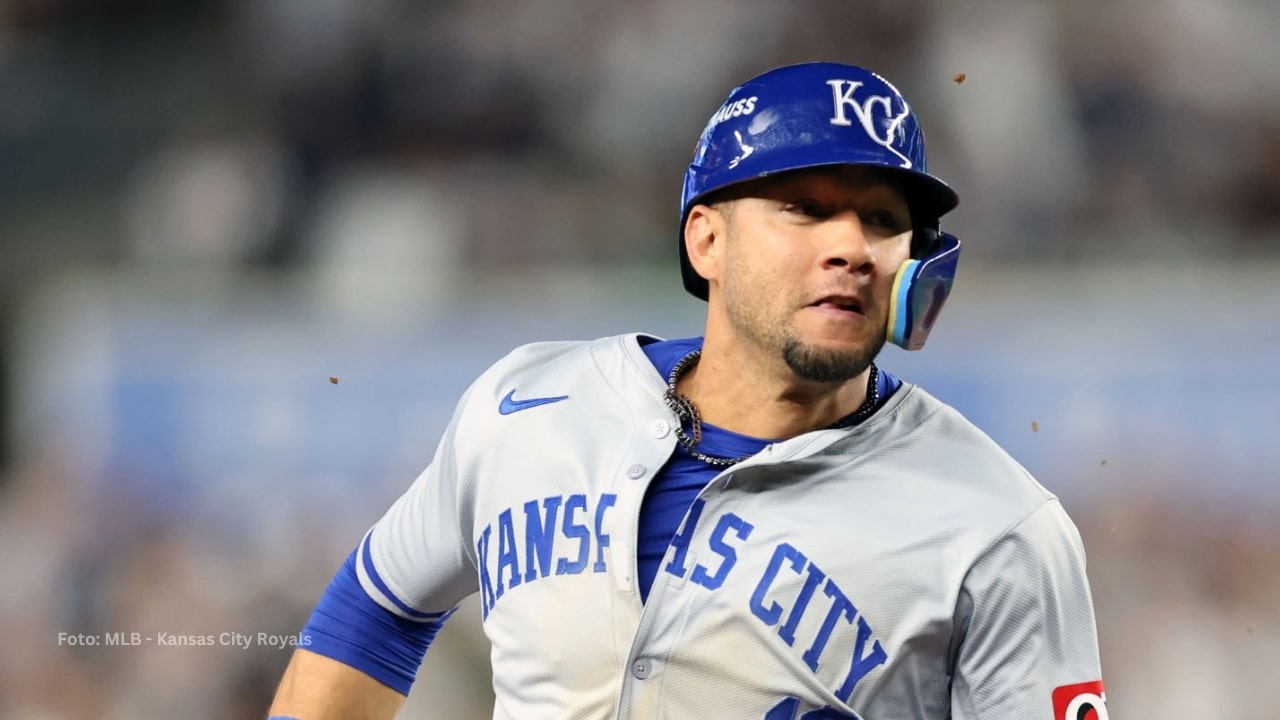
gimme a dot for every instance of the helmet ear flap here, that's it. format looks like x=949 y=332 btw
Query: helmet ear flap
x=926 y=228
x=919 y=291
x=926 y=239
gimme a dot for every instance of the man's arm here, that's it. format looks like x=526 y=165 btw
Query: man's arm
x=352 y=641
x=1030 y=645
x=318 y=688
x=361 y=649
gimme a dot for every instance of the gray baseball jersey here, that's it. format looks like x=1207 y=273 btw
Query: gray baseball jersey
x=903 y=568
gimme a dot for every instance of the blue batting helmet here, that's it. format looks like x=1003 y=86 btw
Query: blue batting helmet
x=816 y=114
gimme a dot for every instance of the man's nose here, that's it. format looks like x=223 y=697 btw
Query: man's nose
x=847 y=244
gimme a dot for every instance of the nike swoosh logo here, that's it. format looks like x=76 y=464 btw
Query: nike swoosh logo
x=510 y=405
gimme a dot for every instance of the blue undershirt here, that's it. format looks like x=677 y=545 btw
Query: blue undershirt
x=350 y=627
x=676 y=486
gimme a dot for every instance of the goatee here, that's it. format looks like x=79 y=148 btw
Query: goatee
x=829 y=366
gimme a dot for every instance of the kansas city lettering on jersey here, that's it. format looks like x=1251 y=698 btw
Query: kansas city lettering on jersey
x=565 y=535
x=554 y=536
x=818 y=594
x=840 y=609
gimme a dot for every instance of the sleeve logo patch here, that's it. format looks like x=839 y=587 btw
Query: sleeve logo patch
x=1082 y=701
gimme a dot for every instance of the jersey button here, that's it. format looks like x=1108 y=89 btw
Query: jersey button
x=641 y=669
x=635 y=472
x=660 y=429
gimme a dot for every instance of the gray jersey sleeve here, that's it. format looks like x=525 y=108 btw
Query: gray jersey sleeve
x=1027 y=624
x=415 y=561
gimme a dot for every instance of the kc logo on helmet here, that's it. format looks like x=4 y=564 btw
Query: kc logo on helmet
x=885 y=133
x=1082 y=701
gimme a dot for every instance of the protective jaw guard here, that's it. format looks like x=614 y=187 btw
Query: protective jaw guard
x=919 y=292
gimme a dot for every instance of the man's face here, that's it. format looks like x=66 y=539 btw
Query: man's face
x=809 y=265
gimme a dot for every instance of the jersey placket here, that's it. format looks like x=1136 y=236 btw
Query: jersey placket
x=654 y=445
x=663 y=617
x=672 y=602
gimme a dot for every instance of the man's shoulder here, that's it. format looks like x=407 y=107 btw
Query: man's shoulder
x=552 y=368
x=942 y=440
x=548 y=394
x=550 y=356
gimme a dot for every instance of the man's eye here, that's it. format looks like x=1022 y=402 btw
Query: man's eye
x=887 y=220
x=808 y=208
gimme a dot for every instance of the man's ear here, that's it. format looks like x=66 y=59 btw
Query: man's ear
x=704 y=238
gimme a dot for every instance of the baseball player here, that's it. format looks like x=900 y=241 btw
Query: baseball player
x=759 y=523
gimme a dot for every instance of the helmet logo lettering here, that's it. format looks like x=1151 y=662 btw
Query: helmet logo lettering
x=731 y=110
x=842 y=95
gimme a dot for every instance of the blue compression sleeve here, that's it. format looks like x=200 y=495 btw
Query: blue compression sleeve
x=348 y=626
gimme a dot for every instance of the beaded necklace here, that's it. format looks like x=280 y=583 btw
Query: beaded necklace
x=687 y=413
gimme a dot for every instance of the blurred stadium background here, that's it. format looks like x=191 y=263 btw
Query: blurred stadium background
x=210 y=209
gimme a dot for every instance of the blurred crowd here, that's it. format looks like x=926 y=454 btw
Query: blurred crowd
x=247 y=131
x=368 y=143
